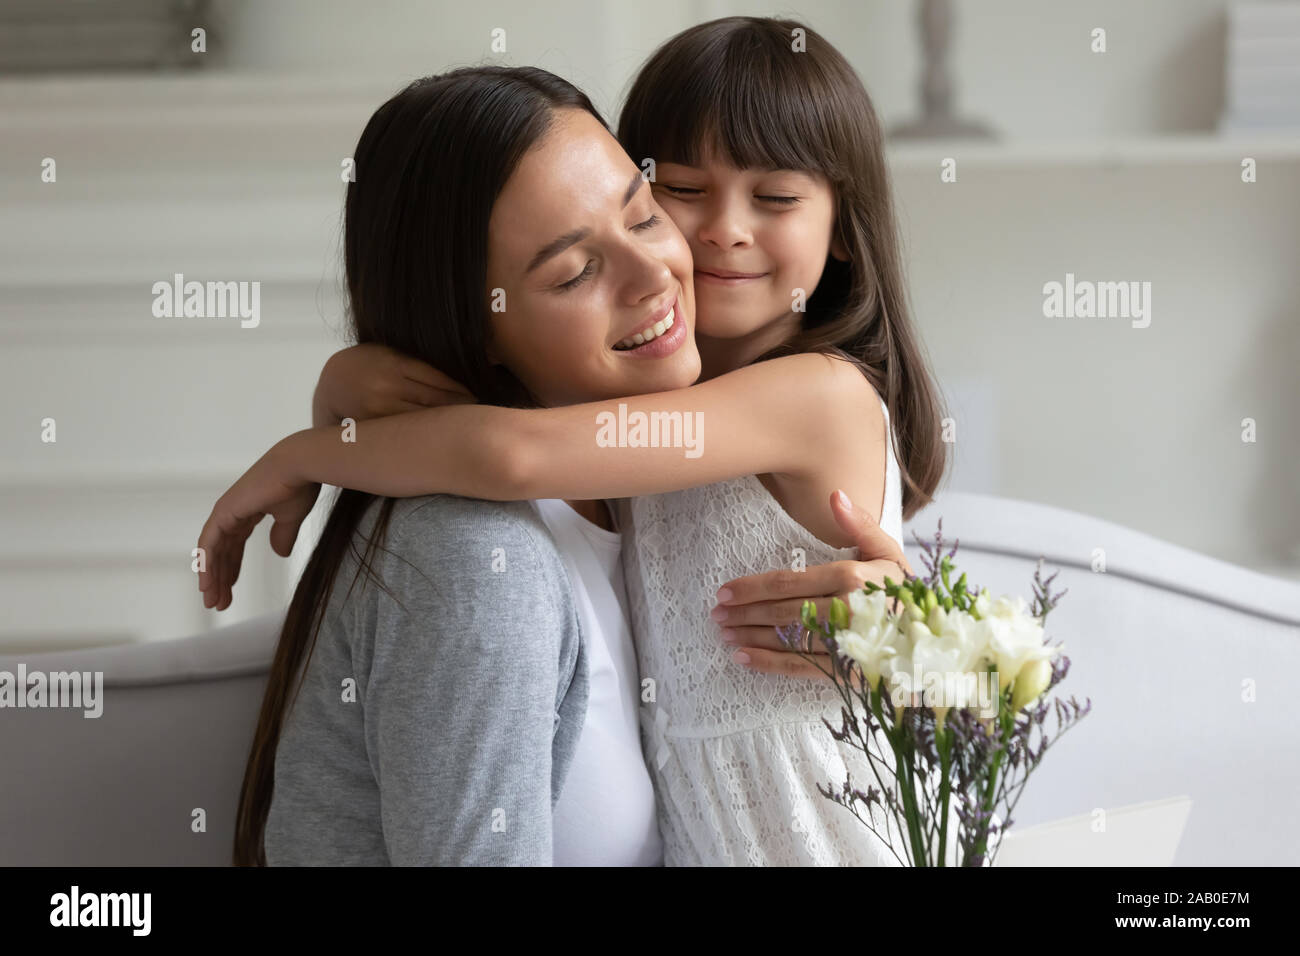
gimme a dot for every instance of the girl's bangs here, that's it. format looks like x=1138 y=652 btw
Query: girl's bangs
x=750 y=110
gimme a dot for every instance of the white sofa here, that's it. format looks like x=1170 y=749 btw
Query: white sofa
x=1163 y=642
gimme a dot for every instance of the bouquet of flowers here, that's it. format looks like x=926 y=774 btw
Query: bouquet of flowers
x=954 y=682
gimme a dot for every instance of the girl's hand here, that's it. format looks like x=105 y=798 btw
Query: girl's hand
x=371 y=381
x=758 y=604
x=269 y=487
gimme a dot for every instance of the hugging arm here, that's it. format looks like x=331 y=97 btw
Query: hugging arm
x=460 y=695
x=800 y=415
x=759 y=419
x=371 y=380
x=751 y=608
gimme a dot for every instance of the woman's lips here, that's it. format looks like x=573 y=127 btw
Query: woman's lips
x=726 y=277
x=661 y=345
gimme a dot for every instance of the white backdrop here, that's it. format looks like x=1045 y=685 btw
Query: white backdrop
x=1110 y=171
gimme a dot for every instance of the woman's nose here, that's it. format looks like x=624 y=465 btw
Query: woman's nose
x=649 y=277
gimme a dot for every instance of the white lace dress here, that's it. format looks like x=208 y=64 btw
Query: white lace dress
x=736 y=756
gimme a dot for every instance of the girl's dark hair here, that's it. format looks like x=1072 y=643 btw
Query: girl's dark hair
x=429 y=166
x=740 y=89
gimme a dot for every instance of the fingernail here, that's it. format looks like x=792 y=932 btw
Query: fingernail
x=724 y=594
x=740 y=657
x=718 y=614
x=843 y=499
x=728 y=635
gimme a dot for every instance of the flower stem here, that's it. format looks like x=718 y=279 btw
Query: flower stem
x=944 y=741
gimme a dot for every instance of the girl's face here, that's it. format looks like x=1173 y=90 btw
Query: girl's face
x=757 y=236
x=581 y=263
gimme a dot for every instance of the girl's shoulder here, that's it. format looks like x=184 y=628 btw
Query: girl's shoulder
x=830 y=375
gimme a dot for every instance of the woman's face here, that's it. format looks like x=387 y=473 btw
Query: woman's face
x=581 y=263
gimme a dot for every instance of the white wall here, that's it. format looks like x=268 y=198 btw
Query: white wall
x=1023 y=64
x=233 y=174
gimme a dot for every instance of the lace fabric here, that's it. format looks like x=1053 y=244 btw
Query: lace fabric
x=736 y=755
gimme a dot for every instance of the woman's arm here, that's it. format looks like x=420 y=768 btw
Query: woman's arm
x=460 y=684
x=781 y=416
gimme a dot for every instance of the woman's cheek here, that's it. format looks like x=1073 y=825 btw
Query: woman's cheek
x=677 y=253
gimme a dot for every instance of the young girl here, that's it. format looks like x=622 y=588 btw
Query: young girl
x=768 y=156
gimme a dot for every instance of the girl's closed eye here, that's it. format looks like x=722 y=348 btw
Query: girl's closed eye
x=688 y=191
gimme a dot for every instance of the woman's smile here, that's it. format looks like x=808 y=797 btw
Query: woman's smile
x=661 y=338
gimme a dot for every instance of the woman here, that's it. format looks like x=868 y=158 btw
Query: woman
x=480 y=707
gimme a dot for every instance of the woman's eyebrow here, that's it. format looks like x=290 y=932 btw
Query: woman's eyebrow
x=633 y=186
x=558 y=245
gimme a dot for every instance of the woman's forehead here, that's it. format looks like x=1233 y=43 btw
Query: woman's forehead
x=577 y=169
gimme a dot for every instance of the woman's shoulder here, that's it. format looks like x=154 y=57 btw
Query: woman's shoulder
x=444 y=548
x=435 y=523
x=469 y=520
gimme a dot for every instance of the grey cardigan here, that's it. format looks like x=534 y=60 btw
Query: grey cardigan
x=435 y=726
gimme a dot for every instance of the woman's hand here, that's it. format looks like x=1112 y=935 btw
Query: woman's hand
x=371 y=381
x=269 y=487
x=751 y=608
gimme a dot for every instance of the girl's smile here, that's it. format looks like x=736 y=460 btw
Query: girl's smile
x=727 y=278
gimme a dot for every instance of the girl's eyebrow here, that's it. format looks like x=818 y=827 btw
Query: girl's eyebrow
x=560 y=243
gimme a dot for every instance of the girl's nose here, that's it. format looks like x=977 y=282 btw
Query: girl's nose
x=722 y=228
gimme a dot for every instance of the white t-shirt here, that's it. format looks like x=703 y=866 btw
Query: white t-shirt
x=605 y=815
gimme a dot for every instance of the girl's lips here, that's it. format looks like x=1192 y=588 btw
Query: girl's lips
x=662 y=345
x=732 y=279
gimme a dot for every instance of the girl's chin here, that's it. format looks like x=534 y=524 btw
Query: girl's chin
x=726 y=326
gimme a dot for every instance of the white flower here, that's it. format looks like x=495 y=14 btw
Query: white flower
x=869 y=611
x=949 y=652
x=1032 y=681
x=1015 y=638
x=871 y=637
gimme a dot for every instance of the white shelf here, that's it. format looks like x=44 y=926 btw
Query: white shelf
x=220 y=103
x=1155 y=151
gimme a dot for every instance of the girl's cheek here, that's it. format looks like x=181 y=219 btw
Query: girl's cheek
x=805 y=247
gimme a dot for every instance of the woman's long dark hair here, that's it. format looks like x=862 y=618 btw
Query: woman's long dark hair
x=428 y=168
x=740 y=87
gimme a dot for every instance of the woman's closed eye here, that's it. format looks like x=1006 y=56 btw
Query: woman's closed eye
x=580 y=278
x=590 y=267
